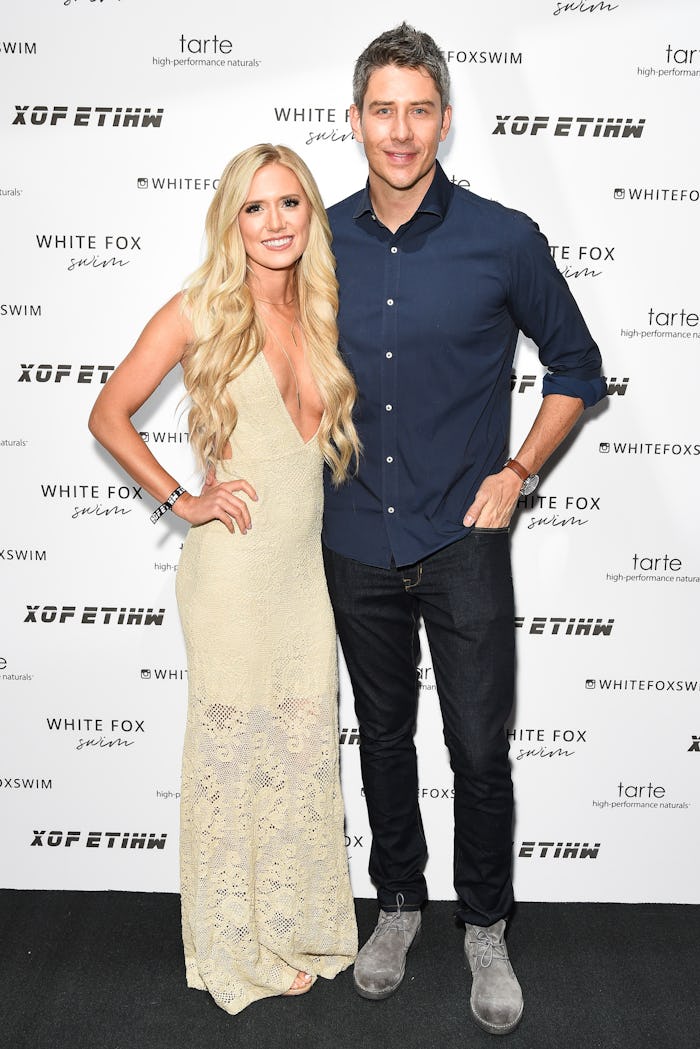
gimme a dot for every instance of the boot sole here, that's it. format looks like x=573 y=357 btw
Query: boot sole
x=492 y=1029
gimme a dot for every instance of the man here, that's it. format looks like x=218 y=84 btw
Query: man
x=435 y=284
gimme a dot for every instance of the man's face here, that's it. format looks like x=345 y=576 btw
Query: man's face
x=401 y=125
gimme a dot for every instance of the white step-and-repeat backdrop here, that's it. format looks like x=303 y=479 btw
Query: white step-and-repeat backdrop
x=116 y=118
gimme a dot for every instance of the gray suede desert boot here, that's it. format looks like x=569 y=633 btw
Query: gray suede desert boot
x=380 y=965
x=496 y=1000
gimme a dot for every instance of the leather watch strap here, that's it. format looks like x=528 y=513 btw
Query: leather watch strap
x=517 y=468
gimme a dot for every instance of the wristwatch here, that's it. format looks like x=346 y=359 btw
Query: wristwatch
x=530 y=481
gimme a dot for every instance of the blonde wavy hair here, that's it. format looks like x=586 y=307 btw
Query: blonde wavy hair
x=229 y=333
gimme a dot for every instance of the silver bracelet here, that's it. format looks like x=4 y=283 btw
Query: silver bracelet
x=164 y=507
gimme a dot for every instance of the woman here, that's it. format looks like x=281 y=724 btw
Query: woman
x=266 y=899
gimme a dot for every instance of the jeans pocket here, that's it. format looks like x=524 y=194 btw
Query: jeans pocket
x=490 y=531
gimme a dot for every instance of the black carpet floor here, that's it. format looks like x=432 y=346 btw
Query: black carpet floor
x=93 y=970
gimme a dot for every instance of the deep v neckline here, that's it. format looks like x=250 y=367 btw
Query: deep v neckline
x=281 y=401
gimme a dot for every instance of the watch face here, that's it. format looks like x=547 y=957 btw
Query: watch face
x=530 y=484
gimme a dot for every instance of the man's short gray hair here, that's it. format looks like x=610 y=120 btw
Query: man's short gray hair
x=402 y=46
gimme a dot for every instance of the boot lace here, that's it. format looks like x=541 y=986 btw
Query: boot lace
x=489 y=949
x=392 y=921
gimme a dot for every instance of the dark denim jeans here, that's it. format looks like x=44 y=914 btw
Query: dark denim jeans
x=465 y=595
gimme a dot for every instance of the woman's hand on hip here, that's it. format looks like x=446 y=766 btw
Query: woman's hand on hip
x=218 y=503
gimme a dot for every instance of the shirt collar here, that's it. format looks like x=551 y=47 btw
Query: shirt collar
x=435 y=202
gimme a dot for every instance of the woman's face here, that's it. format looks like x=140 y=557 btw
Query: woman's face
x=275 y=219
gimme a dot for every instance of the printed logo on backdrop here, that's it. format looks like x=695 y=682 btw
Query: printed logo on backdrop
x=524 y=383
x=165 y=436
x=24 y=783
x=163 y=674
x=635 y=684
x=642 y=796
x=463 y=182
x=652 y=568
x=617 y=386
x=97 y=733
x=334 y=122
x=91 y=246
x=481 y=57
x=349 y=737
x=570 y=127
x=94 y=615
x=165 y=566
x=679 y=63
x=353 y=843
x=96 y=839
x=581 y=260
x=533 y=383
x=168 y=183
x=9 y=554
x=20 y=309
x=584 y=7
x=80 y=373
x=644 y=194
x=545 y=742
x=666 y=324
x=93 y=500
x=87 y=116
x=7 y=673
x=10 y=191
x=565 y=626
x=558 y=850
x=211 y=52
x=679 y=449
x=13 y=442
x=694 y=747
x=436 y=794
x=18 y=47
x=426 y=679
x=569 y=511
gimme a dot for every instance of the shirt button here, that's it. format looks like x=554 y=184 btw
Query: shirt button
x=390 y=458
x=390 y=509
x=394 y=250
x=388 y=407
x=390 y=302
x=389 y=355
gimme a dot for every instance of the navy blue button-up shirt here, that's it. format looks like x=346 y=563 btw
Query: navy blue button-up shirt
x=429 y=319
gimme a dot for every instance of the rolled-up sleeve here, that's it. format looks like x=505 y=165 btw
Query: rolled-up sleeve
x=543 y=307
x=589 y=390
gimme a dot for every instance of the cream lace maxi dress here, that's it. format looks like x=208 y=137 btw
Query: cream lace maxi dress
x=264 y=871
